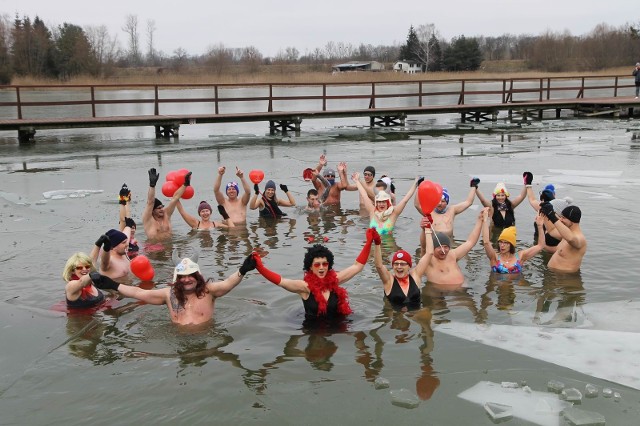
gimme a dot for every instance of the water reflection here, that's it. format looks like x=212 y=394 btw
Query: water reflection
x=560 y=296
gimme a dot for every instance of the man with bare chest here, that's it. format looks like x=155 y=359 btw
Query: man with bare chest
x=234 y=204
x=566 y=225
x=156 y=218
x=112 y=260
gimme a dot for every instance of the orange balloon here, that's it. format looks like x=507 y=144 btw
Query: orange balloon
x=170 y=187
x=256 y=176
x=429 y=195
x=188 y=193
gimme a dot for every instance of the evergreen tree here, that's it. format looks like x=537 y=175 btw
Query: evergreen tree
x=408 y=51
x=74 y=55
x=462 y=55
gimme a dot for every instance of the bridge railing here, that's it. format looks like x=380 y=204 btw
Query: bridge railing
x=100 y=100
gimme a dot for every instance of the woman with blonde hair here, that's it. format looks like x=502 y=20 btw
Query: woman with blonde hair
x=79 y=290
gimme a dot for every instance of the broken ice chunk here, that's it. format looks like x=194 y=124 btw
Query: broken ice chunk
x=572 y=395
x=404 y=398
x=591 y=391
x=577 y=417
x=498 y=411
x=555 y=386
x=381 y=383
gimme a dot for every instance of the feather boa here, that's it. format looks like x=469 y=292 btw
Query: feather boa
x=330 y=282
x=86 y=291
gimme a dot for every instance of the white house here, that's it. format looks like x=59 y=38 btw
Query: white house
x=409 y=67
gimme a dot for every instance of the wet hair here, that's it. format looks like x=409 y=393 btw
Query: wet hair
x=178 y=288
x=76 y=259
x=311 y=192
x=317 y=250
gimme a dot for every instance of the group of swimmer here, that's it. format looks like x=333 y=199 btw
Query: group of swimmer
x=190 y=298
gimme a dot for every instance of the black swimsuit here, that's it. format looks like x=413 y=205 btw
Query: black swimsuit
x=86 y=302
x=271 y=208
x=399 y=300
x=311 y=306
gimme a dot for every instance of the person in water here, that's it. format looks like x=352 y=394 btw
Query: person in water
x=335 y=186
x=442 y=266
x=79 y=290
x=268 y=204
x=204 y=213
x=401 y=284
x=503 y=207
x=570 y=251
x=234 y=204
x=125 y=220
x=320 y=289
x=156 y=218
x=507 y=260
x=190 y=299
x=110 y=253
x=383 y=215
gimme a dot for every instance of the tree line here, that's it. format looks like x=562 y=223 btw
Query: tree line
x=29 y=48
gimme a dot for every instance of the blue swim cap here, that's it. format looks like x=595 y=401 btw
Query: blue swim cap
x=551 y=188
x=445 y=195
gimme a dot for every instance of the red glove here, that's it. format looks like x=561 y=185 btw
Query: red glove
x=364 y=254
x=269 y=275
x=372 y=235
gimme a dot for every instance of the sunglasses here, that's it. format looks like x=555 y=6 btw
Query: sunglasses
x=368 y=174
x=319 y=264
x=331 y=176
x=83 y=267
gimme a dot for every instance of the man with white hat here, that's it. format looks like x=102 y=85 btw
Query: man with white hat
x=190 y=299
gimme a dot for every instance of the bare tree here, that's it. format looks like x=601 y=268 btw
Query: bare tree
x=151 y=52
x=105 y=49
x=251 y=58
x=131 y=29
x=219 y=58
x=427 y=40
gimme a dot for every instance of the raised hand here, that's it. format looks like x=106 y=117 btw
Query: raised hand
x=249 y=264
x=527 y=178
x=420 y=180
x=124 y=195
x=269 y=275
x=187 y=179
x=256 y=189
x=284 y=188
x=374 y=236
x=473 y=183
x=153 y=177
x=104 y=241
x=546 y=209
x=323 y=160
x=221 y=170
x=239 y=172
x=223 y=212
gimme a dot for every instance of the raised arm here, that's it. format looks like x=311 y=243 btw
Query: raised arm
x=245 y=186
x=256 y=198
x=342 y=182
x=532 y=251
x=216 y=186
x=151 y=198
x=191 y=220
x=327 y=186
x=383 y=272
x=521 y=196
x=403 y=203
x=294 y=286
x=550 y=216
x=171 y=206
x=483 y=201
x=220 y=288
x=370 y=207
x=290 y=201
x=463 y=205
x=321 y=163
x=486 y=238
x=348 y=273
x=463 y=249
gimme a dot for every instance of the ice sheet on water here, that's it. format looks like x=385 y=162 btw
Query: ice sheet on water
x=578 y=417
x=540 y=408
x=60 y=194
x=609 y=355
x=498 y=411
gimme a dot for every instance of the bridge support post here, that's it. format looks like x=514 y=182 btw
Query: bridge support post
x=167 y=131
x=27 y=135
x=284 y=126
x=387 y=120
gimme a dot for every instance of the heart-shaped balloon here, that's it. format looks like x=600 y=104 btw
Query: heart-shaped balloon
x=256 y=176
x=429 y=195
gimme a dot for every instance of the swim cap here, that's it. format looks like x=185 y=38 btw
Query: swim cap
x=508 y=235
x=402 y=256
x=329 y=172
x=560 y=204
x=270 y=184
x=204 y=205
x=157 y=203
x=116 y=237
x=444 y=239
x=547 y=195
x=387 y=181
x=445 y=195
x=572 y=213
x=371 y=170
x=551 y=188
x=500 y=189
x=185 y=267
x=233 y=185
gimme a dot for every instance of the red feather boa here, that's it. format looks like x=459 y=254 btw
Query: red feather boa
x=86 y=291
x=330 y=282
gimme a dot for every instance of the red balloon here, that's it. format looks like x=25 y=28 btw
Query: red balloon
x=429 y=195
x=169 y=188
x=180 y=174
x=256 y=176
x=171 y=176
x=307 y=174
x=139 y=265
x=147 y=274
x=188 y=193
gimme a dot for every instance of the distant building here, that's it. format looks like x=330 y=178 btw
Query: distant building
x=358 y=66
x=409 y=67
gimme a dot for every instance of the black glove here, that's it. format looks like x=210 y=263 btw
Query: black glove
x=223 y=212
x=103 y=282
x=187 y=179
x=420 y=180
x=153 y=177
x=124 y=195
x=546 y=208
x=284 y=188
x=129 y=222
x=249 y=264
x=393 y=188
x=105 y=242
x=256 y=188
x=527 y=177
x=473 y=183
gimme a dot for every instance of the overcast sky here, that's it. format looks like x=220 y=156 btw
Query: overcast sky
x=273 y=25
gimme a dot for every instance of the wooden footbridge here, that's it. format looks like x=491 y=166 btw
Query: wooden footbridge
x=27 y=109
